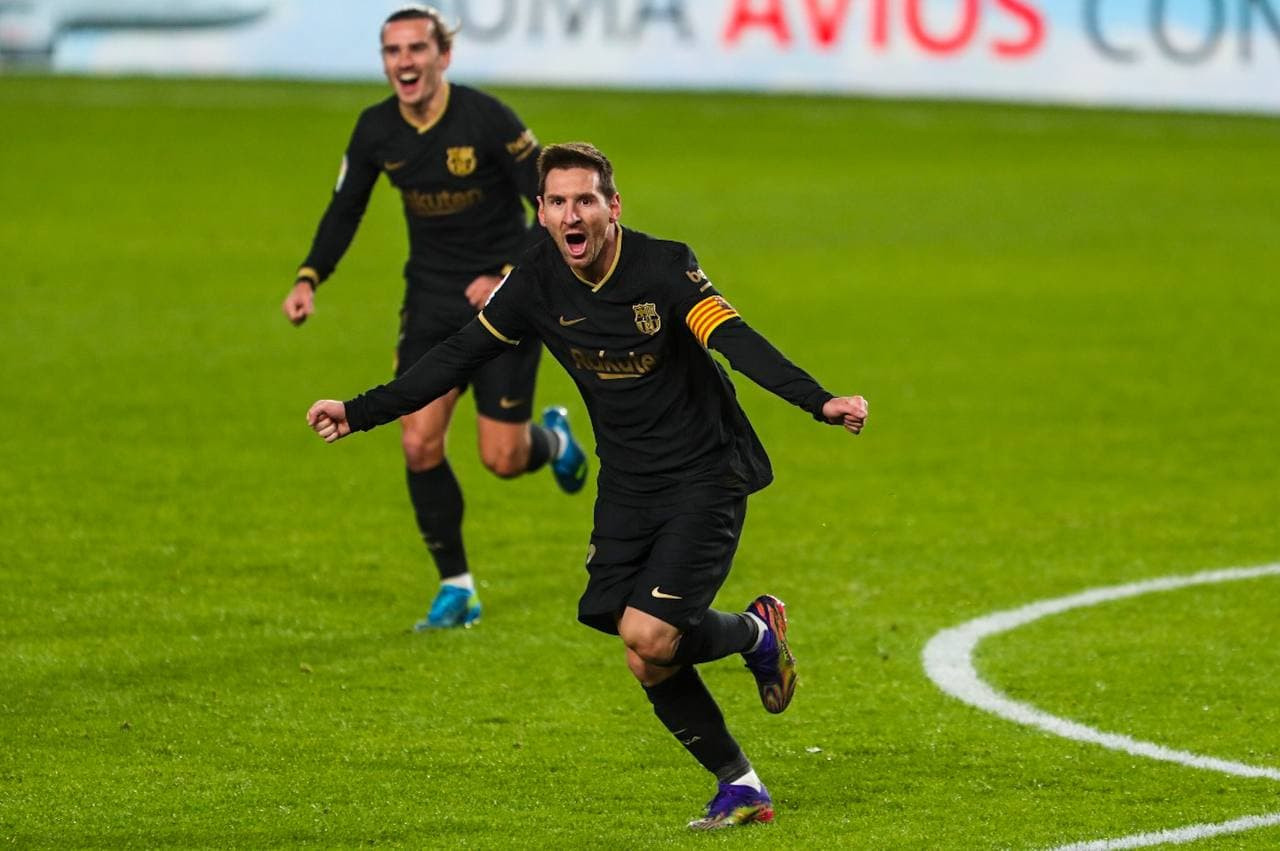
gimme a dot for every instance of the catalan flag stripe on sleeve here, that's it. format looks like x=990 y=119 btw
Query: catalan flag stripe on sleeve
x=708 y=315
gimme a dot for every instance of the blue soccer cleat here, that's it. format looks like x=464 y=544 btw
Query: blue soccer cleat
x=569 y=464
x=771 y=662
x=734 y=806
x=453 y=606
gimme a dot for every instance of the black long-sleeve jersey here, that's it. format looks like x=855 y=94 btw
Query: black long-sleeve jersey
x=664 y=412
x=461 y=179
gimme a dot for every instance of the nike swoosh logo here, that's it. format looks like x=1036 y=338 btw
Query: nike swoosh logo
x=390 y=166
x=506 y=403
x=679 y=733
x=658 y=593
x=567 y=322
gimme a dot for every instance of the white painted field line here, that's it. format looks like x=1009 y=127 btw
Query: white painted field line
x=1179 y=836
x=948 y=660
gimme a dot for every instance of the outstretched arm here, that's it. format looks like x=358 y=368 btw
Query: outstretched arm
x=443 y=368
x=755 y=357
x=337 y=226
x=716 y=325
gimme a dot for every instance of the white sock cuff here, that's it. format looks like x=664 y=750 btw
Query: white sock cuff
x=761 y=629
x=749 y=779
x=462 y=581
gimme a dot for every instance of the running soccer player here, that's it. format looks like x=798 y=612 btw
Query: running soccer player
x=631 y=318
x=462 y=161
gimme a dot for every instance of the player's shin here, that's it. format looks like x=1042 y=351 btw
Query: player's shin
x=543 y=445
x=438 y=507
x=685 y=707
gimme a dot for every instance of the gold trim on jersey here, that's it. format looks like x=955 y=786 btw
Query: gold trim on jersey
x=708 y=315
x=524 y=145
x=423 y=128
x=307 y=273
x=617 y=255
x=494 y=331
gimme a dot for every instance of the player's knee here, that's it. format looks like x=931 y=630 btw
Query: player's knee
x=505 y=462
x=647 y=674
x=422 y=453
x=654 y=647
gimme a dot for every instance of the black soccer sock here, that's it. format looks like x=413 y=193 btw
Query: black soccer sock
x=719 y=634
x=543 y=444
x=683 y=704
x=437 y=503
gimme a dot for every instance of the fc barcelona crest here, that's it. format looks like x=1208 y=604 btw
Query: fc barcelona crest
x=461 y=161
x=647 y=318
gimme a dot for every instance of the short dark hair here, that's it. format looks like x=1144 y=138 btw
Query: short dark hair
x=444 y=32
x=576 y=155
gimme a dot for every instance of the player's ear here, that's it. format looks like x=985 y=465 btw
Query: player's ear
x=615 y=208
x=542 y=216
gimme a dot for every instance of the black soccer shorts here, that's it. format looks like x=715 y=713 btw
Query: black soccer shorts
x=667 y=559
x=503 y=388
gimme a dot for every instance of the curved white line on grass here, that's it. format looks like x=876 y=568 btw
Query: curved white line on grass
x=1179 y=836
x=948 y=660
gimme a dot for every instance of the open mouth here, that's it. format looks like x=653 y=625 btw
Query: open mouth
x=576 y=243
x=408 y=79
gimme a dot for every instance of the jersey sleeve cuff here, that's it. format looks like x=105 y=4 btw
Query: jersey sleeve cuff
x=821 y=398
x=357 y=414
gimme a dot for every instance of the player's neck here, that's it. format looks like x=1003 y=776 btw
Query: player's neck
x=605 y=263
x=426 y=112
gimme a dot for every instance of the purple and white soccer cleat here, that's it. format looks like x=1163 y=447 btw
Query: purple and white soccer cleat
x=771 y=662
x=734 y=806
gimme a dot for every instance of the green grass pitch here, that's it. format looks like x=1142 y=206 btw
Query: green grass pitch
x=1065 y=322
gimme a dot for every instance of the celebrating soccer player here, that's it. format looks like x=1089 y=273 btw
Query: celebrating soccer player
x=631 y=318
x=462 y=162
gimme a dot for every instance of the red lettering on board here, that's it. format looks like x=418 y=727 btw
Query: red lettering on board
x=826 y=25
x=743 y=15
x=942 y=44
x=1034 y=22
x=880 y=23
